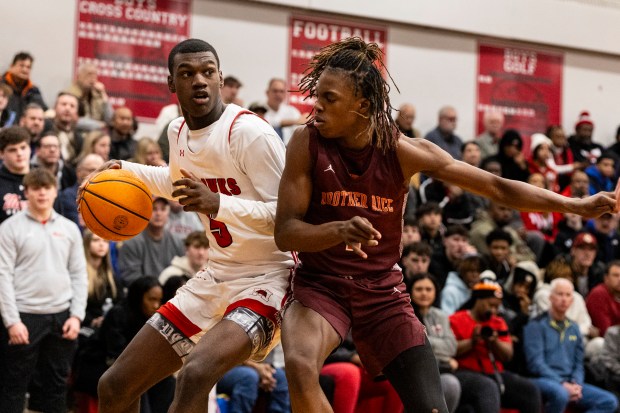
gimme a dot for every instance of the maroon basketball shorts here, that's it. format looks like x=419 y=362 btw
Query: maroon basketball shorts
x=376 y=308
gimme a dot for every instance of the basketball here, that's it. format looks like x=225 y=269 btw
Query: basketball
x=116 y=205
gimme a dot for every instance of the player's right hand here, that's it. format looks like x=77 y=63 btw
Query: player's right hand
x=18 y=334
x=359 y=231
x=111 y=164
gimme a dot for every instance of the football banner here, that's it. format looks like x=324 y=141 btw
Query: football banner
x=309 y=34
x=129 y=42
x=523 y=83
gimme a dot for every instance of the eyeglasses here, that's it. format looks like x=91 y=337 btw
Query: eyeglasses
x=50 y=146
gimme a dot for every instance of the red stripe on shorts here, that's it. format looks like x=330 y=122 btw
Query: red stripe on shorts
x=256 y=306
x=178 y=319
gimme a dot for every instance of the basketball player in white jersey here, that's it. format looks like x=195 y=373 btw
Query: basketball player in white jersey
x=225 y=164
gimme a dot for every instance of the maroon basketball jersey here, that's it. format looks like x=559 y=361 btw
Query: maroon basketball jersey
x=377 y=194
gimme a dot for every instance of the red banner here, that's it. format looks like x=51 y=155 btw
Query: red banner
x=524 y=84
x=309 y=34
x=129 y=42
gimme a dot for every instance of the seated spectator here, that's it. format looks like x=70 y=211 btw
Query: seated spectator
x=404 y=120
x=610 y=359
x=181 y=223
x=577 y=312
x=64 y=125
x=499 y=216
x=151 y=251
x=33 y=120
x=95 y=109
x=544 y=225
x=568 y=228
x=24 y=90
x=194 y=260
x=483 y=345
x=171 y=286
x=416 y=259
x=488 y=140
x=230 y=90
x=517 y=303
x=284 y=118
x=471 y=155
x=102 y=289
x=455 y=246
x=510 y=156
x=66 y=204
x=554 y=353
x=491 y=165
x=97 y=142
x=431 y=228
x=562 y=155
x=121 y=132
x=47 y=156
x=604 y=229
x=243 y=384
x=423 y=291
x=584 y=149
x=8 y=117
x=603 y=302
x=601 y=175
x=541 y=161
x=119 y=327
x=411 y=231
x=579 y=185
x=148 y=152
x=587 y=270
x=15 y=155
x=443 y=135
x=457 y=290
x=457 y=206
x=499 y=259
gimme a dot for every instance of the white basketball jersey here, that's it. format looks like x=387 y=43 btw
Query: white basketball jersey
x=242 y=158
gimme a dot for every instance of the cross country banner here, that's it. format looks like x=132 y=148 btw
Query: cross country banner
x=129 y=42
x=524 y=84
x=309 y=34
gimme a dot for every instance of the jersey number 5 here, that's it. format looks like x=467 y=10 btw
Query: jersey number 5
x=221 y=233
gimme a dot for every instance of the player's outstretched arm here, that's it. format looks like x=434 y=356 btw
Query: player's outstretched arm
x=421 y=155
x=291 y=232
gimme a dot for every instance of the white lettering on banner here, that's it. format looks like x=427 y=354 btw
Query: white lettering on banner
x=100 y=9
x=520 y=61
x=141 y=14
x=334 y=32
x=158 y=17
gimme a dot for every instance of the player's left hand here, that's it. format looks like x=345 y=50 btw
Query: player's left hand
x=194 y=195
x=71 y=328
x=597 y=205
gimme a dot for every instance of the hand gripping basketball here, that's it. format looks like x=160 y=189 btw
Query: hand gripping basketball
x=115 y=204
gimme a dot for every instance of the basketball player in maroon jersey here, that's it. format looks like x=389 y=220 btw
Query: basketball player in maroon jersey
x=340 y=206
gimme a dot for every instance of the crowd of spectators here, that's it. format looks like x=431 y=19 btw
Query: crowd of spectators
x=522 y=309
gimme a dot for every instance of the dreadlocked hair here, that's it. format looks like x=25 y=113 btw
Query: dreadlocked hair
x=362 y=61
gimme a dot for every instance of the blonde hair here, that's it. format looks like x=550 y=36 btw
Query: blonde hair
x=142 y=149
x=98 y=278
x=90 y=140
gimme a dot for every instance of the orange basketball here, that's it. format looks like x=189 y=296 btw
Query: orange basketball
x=116 y=204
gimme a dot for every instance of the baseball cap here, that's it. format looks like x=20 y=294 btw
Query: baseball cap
x=584 y=239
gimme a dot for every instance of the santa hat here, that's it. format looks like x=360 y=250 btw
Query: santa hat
x=584 y=119
x=538 y=139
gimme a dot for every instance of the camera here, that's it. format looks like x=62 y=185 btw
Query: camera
x=487 y=332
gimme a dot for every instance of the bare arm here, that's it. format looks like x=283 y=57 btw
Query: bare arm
x=291 y=232
x=423 y=156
